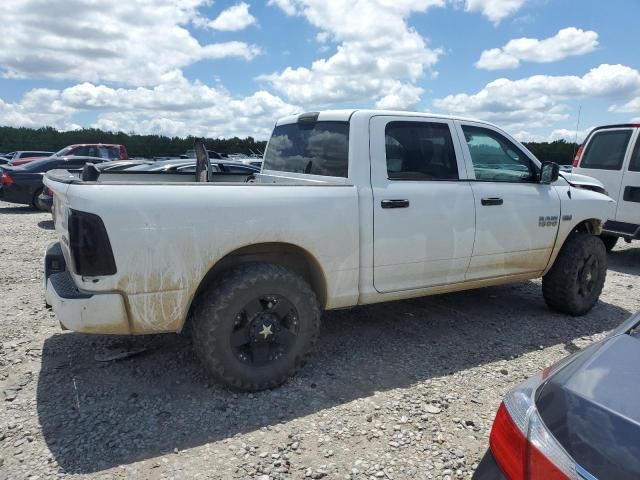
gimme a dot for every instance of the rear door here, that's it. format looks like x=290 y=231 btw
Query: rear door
x=604 y=158
x=424 y=219
x=516 y=216
x=629 y=198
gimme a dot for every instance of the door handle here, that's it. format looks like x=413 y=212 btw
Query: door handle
x=394 y=203
x=491 y=201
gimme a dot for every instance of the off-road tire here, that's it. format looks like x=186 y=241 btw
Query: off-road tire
x=215 y=311
x=561 y=285
x=609 y=241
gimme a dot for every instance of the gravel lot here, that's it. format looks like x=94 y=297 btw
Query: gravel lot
x=399 y=390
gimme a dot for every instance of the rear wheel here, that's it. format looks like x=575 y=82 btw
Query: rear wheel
x=254 y=327
x=609 y=241
x=574 y=283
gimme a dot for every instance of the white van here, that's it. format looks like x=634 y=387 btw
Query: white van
x=612 y=155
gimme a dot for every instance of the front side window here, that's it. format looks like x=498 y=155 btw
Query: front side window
x=634 y=165
x=420 y=151
x=319 y=148
x=495 y=158
x=606 y=150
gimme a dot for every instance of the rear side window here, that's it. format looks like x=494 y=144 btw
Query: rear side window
x=320 y=148
x=634 y=165
x=606 y=150
x=420 y=151
x=112 y=153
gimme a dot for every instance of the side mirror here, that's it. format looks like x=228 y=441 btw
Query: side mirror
x=549 y=172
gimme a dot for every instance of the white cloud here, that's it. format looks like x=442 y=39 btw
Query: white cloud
x=400 y=97
x=176 y=106
x=128 y=42
x=379 y=57
x=494 y=10
x=631 y=106
x=287 y=6
x=566 y=43
x=538 y=101
x=233 y=19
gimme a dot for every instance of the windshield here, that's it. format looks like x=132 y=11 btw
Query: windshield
x=320 y=148
x=63 y=152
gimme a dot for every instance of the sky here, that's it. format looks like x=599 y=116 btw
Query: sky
x=219 y=68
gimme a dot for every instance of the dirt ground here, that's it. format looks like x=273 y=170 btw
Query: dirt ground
x=394 y=391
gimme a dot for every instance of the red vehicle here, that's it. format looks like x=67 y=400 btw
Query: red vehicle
x=107 y=151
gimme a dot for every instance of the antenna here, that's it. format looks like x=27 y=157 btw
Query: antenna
x=575 y=139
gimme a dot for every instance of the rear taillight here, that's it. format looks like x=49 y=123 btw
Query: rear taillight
x=48 y=191
x=89 y=245
x=5 y=179
x=521 y=444
x=576 y=159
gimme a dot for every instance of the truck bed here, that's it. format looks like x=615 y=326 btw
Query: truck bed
x=167 y=234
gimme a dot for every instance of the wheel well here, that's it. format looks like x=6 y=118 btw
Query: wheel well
x=289 y=256
x=592 y=226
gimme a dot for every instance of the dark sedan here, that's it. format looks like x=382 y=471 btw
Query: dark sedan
x=579 y=419
x=23 y=184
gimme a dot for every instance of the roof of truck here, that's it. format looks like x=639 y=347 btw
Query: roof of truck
x=345 y=115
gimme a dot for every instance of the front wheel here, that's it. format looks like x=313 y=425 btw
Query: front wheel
x=574 y=283
x=255 y=326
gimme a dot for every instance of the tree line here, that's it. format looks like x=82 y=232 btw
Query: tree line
x=50 y=139
x=558 y=151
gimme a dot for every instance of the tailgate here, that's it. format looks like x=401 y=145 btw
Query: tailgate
x=59 y=181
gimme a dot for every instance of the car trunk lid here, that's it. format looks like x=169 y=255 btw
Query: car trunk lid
x=591 y=408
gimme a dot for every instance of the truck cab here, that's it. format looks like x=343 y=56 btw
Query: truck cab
x=611 y=154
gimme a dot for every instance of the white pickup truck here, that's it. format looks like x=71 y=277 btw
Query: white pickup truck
x=350 y=208
x=611 y=154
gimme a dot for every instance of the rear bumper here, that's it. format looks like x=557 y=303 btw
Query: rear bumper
x=488 y=469
x=11 y=194
x=78 y=310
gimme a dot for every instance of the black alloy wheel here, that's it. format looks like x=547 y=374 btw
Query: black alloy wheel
x=264 y=330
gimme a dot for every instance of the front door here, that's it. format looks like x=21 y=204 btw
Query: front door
x=517 y=218
x=629 y=198
x=604 y=158
x=424 y=219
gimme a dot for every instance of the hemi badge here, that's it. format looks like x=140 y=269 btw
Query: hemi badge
x=566 y=218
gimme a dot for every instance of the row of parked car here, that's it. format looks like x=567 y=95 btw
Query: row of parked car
x=21 y=172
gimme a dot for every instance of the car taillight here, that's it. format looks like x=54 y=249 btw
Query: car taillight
x=576 y=159
x=521 y=444
x=89 y=245
x=6 y=179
